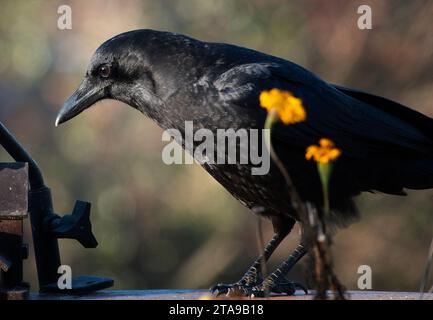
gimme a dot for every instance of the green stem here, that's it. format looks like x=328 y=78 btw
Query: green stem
x=326 y=199
x=325 y=170
x=269 y=122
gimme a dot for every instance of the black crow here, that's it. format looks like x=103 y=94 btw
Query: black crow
x=172 y=78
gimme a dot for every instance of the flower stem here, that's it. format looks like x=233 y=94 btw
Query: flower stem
x=269 y=122
x=325 y=170
x=326 y=199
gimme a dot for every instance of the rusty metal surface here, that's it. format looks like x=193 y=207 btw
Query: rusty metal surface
x=5 y=263
x=12 y=253
x=11 y=241
x=13 y=209
x=18 y=293
x=204 y=294
x=11 y=227
x=11 y=261
x=13 y=190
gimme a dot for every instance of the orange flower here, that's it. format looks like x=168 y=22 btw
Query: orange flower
x=288 y=108
x=324 y=153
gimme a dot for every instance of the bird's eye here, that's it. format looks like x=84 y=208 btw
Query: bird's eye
x=104 y=71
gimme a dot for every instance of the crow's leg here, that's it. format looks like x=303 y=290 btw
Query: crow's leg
x=253 y=276
x=276 y=282
x=282 y=227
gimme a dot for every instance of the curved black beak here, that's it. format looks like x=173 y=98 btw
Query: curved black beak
x=84 y=97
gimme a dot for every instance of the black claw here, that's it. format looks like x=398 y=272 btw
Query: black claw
x=258 y=293
x=220 y=288
x=289 y=287
x=284 y=287
x=234 y=289
x=302 y=287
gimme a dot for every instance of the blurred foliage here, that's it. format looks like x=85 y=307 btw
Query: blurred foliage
x=173 y=226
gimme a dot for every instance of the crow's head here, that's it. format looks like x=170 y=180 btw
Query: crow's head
x=140 y=68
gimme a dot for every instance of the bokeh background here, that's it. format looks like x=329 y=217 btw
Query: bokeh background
x=173 y=226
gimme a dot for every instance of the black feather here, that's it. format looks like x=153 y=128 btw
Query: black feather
x=173 y=78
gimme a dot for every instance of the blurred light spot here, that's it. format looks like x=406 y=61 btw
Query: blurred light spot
x=78 y=143
x=116 y=201
x=5 y=55
x=162 y=257
x=31 y=55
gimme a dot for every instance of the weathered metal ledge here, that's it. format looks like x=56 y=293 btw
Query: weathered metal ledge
x=204 y=294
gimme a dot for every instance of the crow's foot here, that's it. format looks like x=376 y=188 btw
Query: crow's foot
x=234 y=289
x=263 y=289
x=286 y=287
x=250 y=279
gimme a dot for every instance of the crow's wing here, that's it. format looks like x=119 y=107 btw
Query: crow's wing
x=359 y=126
x=415 y=118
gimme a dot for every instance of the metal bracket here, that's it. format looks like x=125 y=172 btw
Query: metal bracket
x=47 y=227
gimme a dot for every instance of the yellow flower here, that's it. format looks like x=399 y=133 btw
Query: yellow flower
x=324 y=153
x=288 y=108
